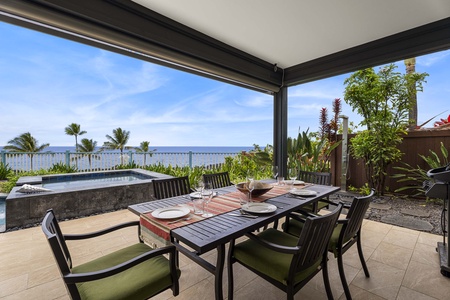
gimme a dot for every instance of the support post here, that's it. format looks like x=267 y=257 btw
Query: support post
x=344 y=164
x=280 y=116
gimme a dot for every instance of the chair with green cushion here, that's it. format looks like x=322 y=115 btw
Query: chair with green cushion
x=171 y=187
x=346 y=233
x=322 y=178
x=286 y=261
x=134 y=272
x=217 y=180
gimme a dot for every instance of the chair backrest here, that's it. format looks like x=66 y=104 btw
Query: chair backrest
x=217 y=180
x=171 y=187
x=355 y=216
x=314 y=239
x=57 y=243
x=315 y=177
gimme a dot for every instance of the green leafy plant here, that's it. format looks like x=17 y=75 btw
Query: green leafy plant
x=383 y=99
x=5 y=170
x=413 y=177
x=62 y=168
x=309 y=154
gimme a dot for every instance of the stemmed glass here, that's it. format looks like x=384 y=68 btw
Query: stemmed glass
x=250 y=185
x=207 y=195
x=293 y=173
x=275 y=172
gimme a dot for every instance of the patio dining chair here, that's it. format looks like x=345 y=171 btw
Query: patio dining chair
x=346 y=233
x=217 y=180
x=171 y=187
x=323 y=178
x=286 y=261
x=134 y=272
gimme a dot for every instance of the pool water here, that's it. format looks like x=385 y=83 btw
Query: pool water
x=69 y=181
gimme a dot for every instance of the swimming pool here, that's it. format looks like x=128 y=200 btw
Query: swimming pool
x=61 y=182
x=78 y=194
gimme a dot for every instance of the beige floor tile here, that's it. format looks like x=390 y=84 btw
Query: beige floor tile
x=28 y=269
x=384 y=280
x=426 y=254
x=13 y=285
x=360 y=294
x=351 y=257
x=392 y=255
x=371 y=238
x=259 y=289
x=429 y=239
x=408 y=294
x=427 y=279
x=48 y=291
x=376 y=226
x=402 y=238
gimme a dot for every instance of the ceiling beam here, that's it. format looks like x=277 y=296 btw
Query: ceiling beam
x=418 y=41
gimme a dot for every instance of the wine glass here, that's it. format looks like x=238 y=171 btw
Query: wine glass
x=250 y=188
x=199 y=186
x=275 y=172
x=293 y=173
x=207 y=195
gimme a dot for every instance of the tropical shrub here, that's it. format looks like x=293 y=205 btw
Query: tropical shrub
x=62 y=168
x=5 y=170
x=309 y=154
x=413 y=177
x=383 y=100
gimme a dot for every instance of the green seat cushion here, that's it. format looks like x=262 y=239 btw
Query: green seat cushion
x=269 y=262
x=320 y=205
x=295 y=228
x=139 y=282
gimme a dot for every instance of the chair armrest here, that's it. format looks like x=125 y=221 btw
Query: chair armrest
x=297 y=215
x=100 y=232
x=342 y=221
x=272 y=246
x=83 y=277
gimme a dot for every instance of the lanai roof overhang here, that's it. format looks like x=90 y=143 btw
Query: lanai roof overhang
x=263 y=45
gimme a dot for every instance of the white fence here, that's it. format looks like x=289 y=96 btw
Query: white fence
x=108 y=160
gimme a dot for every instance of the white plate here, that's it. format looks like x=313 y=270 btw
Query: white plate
x=298 y=182
x=259 y=208
x=197 y=195
x=171 y=212
x=303 y=192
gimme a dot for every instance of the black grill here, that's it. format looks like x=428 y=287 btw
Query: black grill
x=439 y=187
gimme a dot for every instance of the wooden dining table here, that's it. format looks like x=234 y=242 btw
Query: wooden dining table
x=197 y=238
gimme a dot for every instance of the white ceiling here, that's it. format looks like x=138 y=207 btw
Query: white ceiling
x=271 y=29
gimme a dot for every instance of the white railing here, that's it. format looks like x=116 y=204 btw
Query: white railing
x=108 y=160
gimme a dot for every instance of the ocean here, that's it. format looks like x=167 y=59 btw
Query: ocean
x=166 y=155
x=169 y=149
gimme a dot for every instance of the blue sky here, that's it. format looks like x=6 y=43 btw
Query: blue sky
x=47 y=83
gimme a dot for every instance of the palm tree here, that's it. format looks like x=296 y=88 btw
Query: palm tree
x=25 y=143
x=410 y=65
x=88 y=146
x=144 y=148
x=74 y=130
x=117 y=141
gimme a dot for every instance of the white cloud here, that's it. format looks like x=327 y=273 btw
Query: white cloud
x=432 y=59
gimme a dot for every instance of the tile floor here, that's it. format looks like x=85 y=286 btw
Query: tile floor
x=403 y=265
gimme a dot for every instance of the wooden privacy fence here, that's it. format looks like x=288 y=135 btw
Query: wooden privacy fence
x=414 y=143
